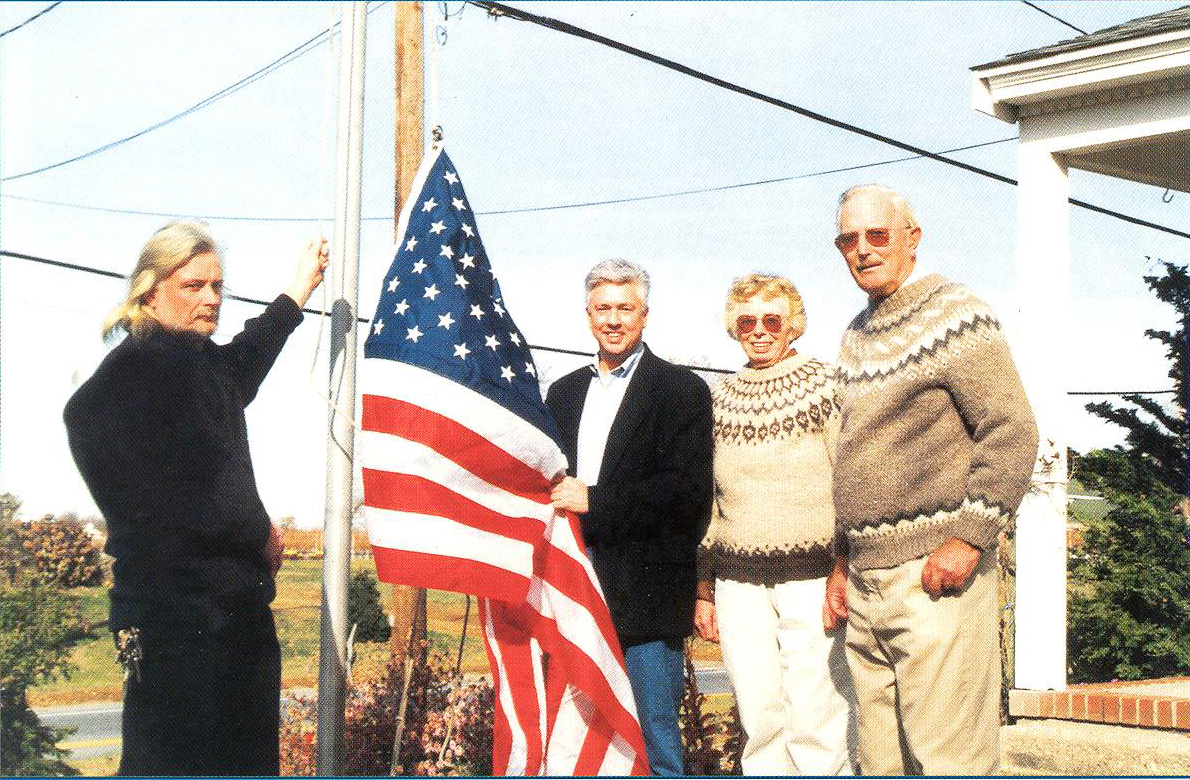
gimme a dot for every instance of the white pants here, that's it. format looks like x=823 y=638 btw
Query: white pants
x=791 y=680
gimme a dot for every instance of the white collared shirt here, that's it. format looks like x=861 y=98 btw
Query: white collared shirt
x=604 y=396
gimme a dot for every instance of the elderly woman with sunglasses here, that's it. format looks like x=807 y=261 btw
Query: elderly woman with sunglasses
x=767 y=552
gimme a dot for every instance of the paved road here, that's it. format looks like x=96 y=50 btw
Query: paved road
x=98 y=723
x=98 y=727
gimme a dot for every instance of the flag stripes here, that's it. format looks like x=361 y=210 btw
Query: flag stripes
x=458 y=456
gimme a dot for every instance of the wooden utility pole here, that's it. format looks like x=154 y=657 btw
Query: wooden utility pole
x=408 y=603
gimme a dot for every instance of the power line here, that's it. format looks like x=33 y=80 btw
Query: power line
x=630 y=199
x=175 y=215
x=37 y=15
x=1121 y=392
x=558 y=350
x=725 y=187
x=256 y=75
x=1052 y=16
x=499 y=9
x=115 y=275
x=259 y=302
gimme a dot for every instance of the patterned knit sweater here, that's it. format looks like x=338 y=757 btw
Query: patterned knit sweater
x=773 y=518
x=938 y=439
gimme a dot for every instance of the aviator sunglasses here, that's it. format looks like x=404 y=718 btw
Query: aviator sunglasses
x=877 y=237
x=746 y=323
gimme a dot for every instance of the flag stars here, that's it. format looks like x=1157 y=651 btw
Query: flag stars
x=447 y=252
x=431 y=292
x=412 y=242
x=506 y=372
x=530 y=370
x=437 y=227
x=460 y=281
x=496 y=307
x=467 y=260
x=470 y=231
x=461 y=351
x=451 y=177
x=377 y=327
x=491 y=341
x=445 y=320
x=419 y=266
x=514 y=338
x=402 y=307
x=392 y=284
x=477 y=312
x=458 y=204
x=413 y=334
x=429 y=205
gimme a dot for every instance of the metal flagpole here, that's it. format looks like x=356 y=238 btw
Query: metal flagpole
x=340 y=443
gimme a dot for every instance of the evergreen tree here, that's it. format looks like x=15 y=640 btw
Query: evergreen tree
x=1129 y=615
x=363 y=609
x=1129 y=605
x=1155 y=444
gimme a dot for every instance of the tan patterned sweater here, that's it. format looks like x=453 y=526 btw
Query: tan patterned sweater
x=773 y=518
x=938 y=439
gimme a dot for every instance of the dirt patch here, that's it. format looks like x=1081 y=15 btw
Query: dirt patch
x=61 y=698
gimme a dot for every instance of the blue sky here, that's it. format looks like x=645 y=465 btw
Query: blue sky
x=532 y=118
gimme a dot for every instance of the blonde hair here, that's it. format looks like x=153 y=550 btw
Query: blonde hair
x=767 y=287
x=900 y=203
x=166 y=251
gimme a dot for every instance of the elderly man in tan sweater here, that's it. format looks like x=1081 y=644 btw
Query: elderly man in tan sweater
x=935 y=453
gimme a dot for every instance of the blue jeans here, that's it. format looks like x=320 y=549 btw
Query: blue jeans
x=656 y=672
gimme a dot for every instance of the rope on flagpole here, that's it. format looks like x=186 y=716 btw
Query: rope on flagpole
x=439 y=40
x=324 y=207
x=440 y=37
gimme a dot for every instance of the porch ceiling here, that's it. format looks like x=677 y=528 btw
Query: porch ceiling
x=1162 y=160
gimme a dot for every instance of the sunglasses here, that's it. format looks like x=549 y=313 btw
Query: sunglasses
x=878 y=237
x=746 y=323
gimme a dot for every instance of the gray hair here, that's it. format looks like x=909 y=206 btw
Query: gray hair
x=897 y=199
x=618 y=271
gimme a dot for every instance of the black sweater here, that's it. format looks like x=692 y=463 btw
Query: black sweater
x=159 y=435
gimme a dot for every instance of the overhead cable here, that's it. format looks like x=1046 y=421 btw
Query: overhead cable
x=629 y=199
x=37 y=15
x=258 y=302
x=1122 y=392
x=176 y=215
x=724 y=187
x=1036 y=7
x=558 y=350
x=500 y=9
x=256 y=75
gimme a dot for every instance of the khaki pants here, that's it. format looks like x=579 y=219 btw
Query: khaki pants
x=790 y=677
x=926 y=671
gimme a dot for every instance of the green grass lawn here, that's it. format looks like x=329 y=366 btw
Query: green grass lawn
x=98 y=677
x=297 y=612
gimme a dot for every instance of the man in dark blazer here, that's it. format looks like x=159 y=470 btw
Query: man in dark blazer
x=636 y=431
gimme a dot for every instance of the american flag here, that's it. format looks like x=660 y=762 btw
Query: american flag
x=458 y=452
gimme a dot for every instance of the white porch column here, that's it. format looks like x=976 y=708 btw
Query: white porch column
x=1043 y=281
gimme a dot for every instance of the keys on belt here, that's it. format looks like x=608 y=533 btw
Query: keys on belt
x=129 y=652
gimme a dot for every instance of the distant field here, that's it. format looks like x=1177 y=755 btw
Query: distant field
x=299 y=585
